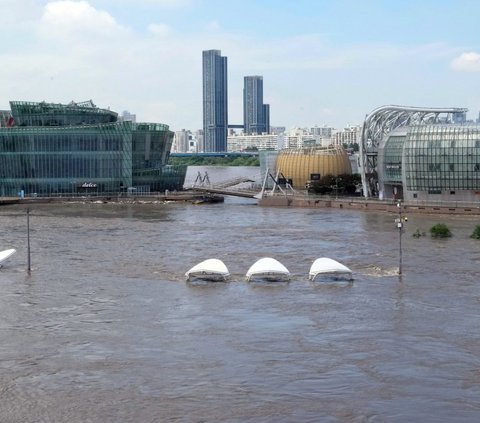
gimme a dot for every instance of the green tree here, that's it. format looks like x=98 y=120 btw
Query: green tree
x=440 y=230
x=344 y=184
x=476 y=233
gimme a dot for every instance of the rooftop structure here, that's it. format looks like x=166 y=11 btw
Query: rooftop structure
x=52 y=114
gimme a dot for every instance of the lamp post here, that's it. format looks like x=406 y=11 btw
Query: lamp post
x=336 y=186
x=399 y=222
x=29 y=269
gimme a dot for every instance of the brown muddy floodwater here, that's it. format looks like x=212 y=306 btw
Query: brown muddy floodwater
x=105 y=329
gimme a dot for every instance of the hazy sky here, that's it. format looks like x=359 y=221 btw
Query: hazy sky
x=323 y=62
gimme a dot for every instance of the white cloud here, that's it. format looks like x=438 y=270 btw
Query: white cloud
x=68 y=19
x=18 y=15
x=160 y=4
x=167 y=4
x=159 y=29
x=213 y=26
x=469 y=62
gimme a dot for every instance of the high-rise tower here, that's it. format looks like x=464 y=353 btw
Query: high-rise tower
x=256 y=115
x=215 y=101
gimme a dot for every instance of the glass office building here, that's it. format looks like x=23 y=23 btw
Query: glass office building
x=431 y=163
x=53 y=149
x=215 y=101
x=256 y=115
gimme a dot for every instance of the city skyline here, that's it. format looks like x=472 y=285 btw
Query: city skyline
x=323 y=63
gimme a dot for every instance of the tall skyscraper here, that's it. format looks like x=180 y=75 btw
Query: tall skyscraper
x=215 y=101
x=256 y=115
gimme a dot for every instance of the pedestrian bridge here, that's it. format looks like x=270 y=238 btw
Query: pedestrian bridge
x=253 y=187
x=237 y=187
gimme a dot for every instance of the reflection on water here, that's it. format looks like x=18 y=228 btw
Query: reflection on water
x=106 y=328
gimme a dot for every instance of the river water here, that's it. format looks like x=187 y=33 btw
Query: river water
x=105 y=328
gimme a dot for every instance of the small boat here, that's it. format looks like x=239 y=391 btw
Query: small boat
x=4 y=255
x=209 y=270
x=268 y=268
x=328 y=267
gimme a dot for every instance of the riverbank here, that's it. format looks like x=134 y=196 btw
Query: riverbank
x=179 y=196
x=388 y=206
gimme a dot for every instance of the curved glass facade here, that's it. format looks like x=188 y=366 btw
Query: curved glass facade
x=433 y=162
x=300 y=164
x=443 y=157
x=50 y=153
x=393 y=151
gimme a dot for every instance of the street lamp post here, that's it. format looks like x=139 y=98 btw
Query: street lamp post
x=399 y=222
x=29 y=269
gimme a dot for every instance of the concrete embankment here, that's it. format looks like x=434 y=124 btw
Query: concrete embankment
x=388 y=206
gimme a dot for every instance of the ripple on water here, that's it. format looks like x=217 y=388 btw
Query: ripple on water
x=106 y=328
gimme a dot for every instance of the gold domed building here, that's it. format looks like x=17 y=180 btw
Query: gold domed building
x=305 y=164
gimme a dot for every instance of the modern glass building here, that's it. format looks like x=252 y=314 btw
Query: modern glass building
x=431 y=163
x=256 y=115
x=53 y=149
x=215 y=101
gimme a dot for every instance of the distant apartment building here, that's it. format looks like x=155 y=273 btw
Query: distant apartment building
x=277 y=129
x=182 y=141
x=301 y=137
x=260 y=142
x=215 y=101
x=256 y=114
x=296 y=138
x=322 y=131
x=126 y=116
x=186 y=141
x=347 y=135
x=199 y=142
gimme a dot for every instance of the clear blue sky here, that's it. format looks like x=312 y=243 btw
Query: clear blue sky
x=323 y=62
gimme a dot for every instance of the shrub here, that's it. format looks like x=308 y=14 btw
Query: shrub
x=440 y=230
x=476 y=233
x=418 y=234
